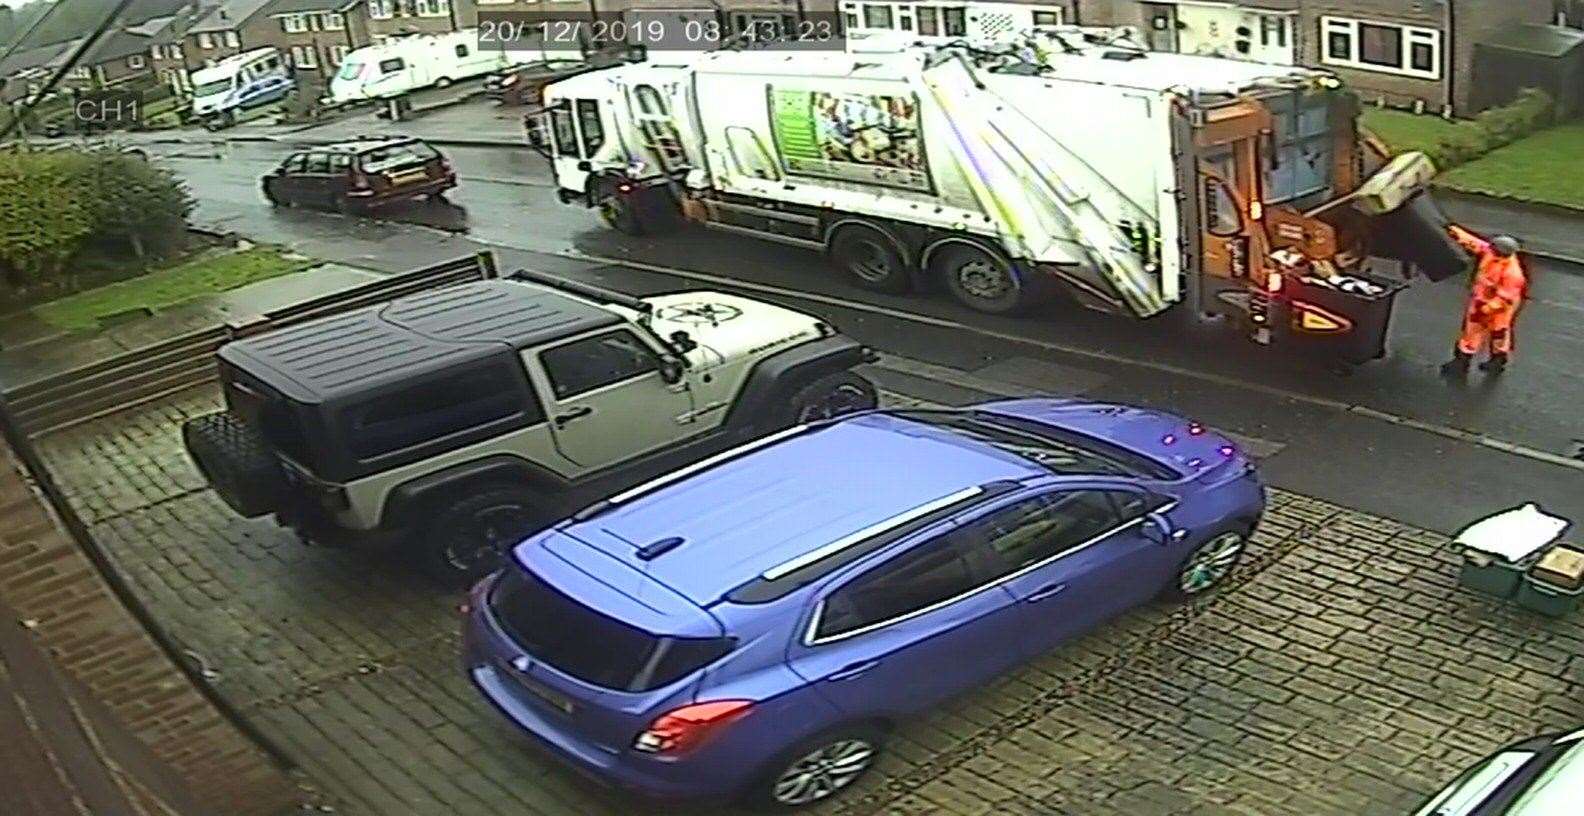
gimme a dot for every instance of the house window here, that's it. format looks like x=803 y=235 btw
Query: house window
x=81 y=72
x=1387 y=47
x=303 y=56
x=1273 y=30
x=294 y=23
x=381 y=9
x=877 y=16
x=1047 y=18
x=338 y=53
x=956 y=24
x=333 y=22
x=205 y=40
x=231 y=39
x=136 y=61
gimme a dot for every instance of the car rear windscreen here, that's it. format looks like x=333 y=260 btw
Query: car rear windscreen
x=397 y=155
x=590 y=646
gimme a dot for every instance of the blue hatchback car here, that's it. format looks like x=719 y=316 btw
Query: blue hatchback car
x=751 y=626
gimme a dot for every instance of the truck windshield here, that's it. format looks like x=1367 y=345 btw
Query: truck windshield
x=219 y=86
x=1302 y=125
x=596 y=649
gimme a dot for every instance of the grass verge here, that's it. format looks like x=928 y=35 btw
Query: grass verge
x=204 y=275
x=1541 y=169
x=1404 y=132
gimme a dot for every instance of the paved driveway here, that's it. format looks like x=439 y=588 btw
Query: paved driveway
x=1343 y=675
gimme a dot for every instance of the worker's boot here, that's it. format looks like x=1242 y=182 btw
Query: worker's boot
x=1458 y=366
x=1495 y=365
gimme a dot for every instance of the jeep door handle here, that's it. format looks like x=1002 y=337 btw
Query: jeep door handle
x=579 y=412
x=851 y=670
x=1047 y=591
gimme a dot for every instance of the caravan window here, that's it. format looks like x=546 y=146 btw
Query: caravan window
x=392 y=65
x=565 y=133
x=928 y=21
x=877 y=16
x=350 y=69
x=593 y=129
x=956 y=25
x=461 y=50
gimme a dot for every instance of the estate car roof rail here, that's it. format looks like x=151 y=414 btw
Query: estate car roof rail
x=682 y=473
x=590 y=291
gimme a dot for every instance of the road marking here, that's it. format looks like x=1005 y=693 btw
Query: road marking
x=1446 y=431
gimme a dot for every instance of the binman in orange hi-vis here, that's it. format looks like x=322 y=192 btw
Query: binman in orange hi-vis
x=1499 y=288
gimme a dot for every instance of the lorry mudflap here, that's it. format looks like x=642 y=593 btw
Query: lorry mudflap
x=1416 y=233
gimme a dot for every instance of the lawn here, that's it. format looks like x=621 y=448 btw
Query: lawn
x=206 y=274
x=1540 y=169
x=1403 y=132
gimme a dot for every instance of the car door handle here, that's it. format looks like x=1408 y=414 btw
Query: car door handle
x=579 y=412
x=1044 y=592
x=852 y=670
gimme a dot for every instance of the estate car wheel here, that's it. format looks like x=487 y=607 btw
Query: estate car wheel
x=818 y=768
x=981 y=280
x=468 y=539
x=1208 y=566
x=869 y=259
x=831 y=396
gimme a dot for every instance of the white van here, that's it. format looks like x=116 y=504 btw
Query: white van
x=419 y=61
x=239 y=82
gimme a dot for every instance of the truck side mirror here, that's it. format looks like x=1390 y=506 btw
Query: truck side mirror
x=585 y=167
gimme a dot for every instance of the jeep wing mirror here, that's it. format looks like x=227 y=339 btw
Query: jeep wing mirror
x=682 y=342
x=671 y=370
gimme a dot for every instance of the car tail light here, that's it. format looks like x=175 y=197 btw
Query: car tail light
x=685 y=728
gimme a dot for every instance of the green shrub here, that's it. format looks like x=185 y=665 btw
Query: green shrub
x=1470 y=139
x=54 y=206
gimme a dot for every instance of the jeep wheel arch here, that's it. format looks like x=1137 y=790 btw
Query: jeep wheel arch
x=775 y=378
x=408 y=502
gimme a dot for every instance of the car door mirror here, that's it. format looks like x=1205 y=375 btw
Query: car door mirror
x=671 y=370
x=682 y=342
x=1159 y=529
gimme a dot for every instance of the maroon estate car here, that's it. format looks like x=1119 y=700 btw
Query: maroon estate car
x=360 y=175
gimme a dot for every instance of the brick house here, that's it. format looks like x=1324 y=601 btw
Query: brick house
x=231 y=27
x=380 y=20
x=316 y=35
x=120 y=58
x=26 y=70
x=1408 y=53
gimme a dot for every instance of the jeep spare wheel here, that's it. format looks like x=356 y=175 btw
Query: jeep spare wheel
x=236 y=461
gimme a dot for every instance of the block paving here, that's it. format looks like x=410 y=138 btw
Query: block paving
x=1343 y=673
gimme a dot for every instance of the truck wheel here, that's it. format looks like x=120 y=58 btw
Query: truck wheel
x=236 y=461
x=981 y=280
x=869 y=258
x=470 y=538
x=831 y=396
x=618 y=209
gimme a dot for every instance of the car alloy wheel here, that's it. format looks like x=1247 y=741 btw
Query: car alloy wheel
x=1211 y=563
x=822 y=772
x=845 y=398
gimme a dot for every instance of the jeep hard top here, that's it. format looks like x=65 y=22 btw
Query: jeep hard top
x=464 y=417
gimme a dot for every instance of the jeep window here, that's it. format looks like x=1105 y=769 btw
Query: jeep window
x=435 y=409
x=590 y=646
x=595 y=362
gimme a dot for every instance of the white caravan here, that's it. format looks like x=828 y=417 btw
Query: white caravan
x=404 y=64
x=1071 y=162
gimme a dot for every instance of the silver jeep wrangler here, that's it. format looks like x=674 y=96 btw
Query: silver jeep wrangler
x=460 y=420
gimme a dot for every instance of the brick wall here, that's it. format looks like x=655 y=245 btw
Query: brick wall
x=59 y=594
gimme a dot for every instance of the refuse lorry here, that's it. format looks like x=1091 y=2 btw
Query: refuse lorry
x=1064 y=161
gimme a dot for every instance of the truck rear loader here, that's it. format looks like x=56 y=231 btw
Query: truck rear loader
x=1061 y=161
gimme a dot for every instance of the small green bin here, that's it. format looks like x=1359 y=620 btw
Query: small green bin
x=1548 y=598
x=1491 y=575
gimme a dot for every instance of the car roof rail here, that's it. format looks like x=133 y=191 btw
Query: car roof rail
x=679 y=474
x=590 y=291
x=880 y=528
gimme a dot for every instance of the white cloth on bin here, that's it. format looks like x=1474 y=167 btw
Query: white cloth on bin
x=1513 y=534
